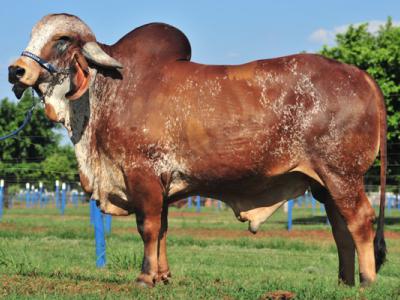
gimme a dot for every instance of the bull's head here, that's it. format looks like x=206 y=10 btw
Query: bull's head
x=56 y=62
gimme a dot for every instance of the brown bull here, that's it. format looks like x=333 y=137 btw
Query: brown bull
x=150 y=127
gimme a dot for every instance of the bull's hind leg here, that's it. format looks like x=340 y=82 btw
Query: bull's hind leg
x=341 y=234
x=164 y=274
x=352 y=203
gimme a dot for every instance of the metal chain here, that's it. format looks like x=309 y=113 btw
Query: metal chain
x=56 y=79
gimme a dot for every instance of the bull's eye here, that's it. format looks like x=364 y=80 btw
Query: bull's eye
x=64 y=38
x=62 y=43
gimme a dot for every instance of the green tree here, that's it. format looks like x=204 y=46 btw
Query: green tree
x=378 y=54
x=34 y=154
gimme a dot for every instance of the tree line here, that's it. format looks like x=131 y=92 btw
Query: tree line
x=378 y=54
x=35 y=154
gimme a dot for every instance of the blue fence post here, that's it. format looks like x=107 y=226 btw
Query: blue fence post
x=219 y=204
x=27 y=194
x=33 y=196
x=57 y=194
x=41 y=194
x=306 y=199
x=92 y=208
x=321 y=207
x=83 y=198
x=1 y=198
x=73 y=199
x=107 y=221
x=398 y=201
x=99 y=236
x=198 y=202
x=63 y=197
x=189 y=202
x=290 y=215
x=313 y=204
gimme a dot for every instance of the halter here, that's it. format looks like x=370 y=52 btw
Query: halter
x=44 y=64
x=58 y=75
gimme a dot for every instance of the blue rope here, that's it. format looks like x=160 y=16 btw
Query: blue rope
x=28 y=117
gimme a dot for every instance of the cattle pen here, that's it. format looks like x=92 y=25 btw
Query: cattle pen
x=47 y=249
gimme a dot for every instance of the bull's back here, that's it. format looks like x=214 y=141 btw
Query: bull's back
x=268 y=112
x=264 y=115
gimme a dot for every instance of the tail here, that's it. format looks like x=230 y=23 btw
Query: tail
x=379 y=241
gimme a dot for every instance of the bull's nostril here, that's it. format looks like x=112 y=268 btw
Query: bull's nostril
x=19 y=72
x=15 y=73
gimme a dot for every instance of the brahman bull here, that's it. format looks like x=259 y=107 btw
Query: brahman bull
x=151 y=127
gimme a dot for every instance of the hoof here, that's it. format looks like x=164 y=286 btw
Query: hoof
x=366 y=281
x=145 y=281
x=164 y=277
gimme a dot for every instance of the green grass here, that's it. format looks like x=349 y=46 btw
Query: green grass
x=47 y=256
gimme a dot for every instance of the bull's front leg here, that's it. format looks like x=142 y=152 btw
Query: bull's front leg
x=147 y=197
x=149 y=226
x=154 y=236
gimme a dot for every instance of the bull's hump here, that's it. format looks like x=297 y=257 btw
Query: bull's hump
x=155 y=41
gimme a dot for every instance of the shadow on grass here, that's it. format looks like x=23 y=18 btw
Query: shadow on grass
x=392 y=220
x=60 y=275
x=313 y=220
x=318 y=220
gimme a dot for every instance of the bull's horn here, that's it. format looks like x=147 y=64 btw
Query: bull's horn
x=93 y=52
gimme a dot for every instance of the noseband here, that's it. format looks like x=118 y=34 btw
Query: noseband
x=44 y=64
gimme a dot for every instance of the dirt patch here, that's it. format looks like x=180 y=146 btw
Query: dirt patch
x=23 y=285
x=188 y=214
x=49 y=216
x=309 y=235
x=278 y=295
x=14 y=227
x=316 y=235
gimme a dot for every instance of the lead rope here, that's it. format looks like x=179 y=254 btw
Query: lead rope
x=28 y=117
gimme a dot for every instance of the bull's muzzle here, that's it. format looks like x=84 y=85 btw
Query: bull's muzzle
x=23 y=73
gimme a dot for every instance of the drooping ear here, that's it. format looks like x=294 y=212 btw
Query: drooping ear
x=80 y=77
x=93 y=52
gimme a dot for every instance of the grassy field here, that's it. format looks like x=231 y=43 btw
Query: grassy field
x=212 y=256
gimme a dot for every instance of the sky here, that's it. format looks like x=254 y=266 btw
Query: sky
x=220 y=31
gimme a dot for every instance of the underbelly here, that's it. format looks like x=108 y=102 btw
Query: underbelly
x=256 y=209
x=269 y=192
x=255 y=199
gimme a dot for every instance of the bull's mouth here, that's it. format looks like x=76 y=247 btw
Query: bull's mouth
x=19 y=89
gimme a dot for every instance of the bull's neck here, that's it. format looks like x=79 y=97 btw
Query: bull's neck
x=82 y=124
